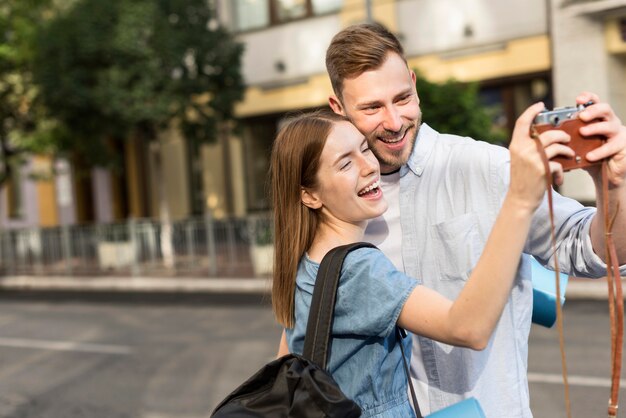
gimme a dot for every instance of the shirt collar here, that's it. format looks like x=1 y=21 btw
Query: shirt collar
x=422 y=150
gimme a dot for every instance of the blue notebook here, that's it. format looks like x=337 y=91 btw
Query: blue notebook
x=468 y=408
x=544 y=294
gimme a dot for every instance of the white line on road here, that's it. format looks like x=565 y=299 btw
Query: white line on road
x=65 y=346
x=572 y=380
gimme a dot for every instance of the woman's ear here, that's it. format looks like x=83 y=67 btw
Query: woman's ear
x=310 y=199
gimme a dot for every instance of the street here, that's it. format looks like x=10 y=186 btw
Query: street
x=178 y=356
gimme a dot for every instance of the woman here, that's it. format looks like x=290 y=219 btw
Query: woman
x=325 y=185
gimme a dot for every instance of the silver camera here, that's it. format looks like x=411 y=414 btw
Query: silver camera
x=558 y=115
x=566 y=119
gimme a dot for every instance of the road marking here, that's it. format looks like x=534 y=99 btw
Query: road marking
x=65 y=346
x=572 y=380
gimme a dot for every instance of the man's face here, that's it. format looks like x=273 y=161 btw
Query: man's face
x=384 y=106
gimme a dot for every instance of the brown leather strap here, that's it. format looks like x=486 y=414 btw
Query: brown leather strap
x=616 y=298
x=614 y=280
x=559 y=312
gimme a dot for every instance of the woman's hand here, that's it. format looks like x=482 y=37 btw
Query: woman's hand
x=528 y=175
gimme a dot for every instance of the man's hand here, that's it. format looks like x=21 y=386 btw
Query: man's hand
x=602 y=120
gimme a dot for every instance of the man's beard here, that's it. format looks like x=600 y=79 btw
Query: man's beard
x=390 y=158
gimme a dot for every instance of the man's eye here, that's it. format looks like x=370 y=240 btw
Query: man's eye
x=405 y=99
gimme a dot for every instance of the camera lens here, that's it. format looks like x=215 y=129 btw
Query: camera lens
x=555 y=120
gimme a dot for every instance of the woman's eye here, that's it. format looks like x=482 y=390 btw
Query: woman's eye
x=345 y=165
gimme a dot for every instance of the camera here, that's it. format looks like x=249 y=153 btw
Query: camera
x=566 y=119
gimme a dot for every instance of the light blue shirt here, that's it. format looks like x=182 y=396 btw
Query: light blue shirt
x=365 y=358
x=451 y=190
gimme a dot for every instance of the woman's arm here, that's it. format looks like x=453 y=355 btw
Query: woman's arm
x=471 y=318
x=283 y=348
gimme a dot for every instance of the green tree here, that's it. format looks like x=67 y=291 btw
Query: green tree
x=455 y=107
x=114 y=69
x=120 y=69
x=24 y=124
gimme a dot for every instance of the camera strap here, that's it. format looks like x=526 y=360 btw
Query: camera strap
x=614 y=280
x=616 y=298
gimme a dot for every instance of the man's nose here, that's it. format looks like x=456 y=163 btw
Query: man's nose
x=392 y=121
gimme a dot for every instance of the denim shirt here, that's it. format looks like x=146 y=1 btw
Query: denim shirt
x=365 y=357
x=451 y=191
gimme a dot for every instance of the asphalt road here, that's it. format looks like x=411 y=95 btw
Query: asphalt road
x=174 y=356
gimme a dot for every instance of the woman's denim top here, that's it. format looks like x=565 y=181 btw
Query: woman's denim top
x=365 y=357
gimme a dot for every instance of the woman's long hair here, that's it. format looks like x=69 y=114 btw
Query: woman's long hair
x=294 y=165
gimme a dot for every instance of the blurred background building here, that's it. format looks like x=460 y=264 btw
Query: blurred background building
x=519 y=51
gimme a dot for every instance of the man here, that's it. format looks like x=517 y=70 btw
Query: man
x=444 y=192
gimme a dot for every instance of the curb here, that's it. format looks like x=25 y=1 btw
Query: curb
x=593 y=289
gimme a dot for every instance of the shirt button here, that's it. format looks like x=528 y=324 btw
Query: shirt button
x=418 y=170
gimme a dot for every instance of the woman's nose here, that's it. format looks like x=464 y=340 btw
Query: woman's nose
x=368 y=166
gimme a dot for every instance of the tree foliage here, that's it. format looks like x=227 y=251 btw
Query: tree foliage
x=24 y=125
x=455 y=107
x=112 y=69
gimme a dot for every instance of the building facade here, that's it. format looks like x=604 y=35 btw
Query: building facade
x=519 y=51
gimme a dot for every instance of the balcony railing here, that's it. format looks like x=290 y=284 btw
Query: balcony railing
x=199 y=247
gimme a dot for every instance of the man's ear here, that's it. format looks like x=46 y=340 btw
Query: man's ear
x=414 y=80
x=310 y=199
x=335 y=105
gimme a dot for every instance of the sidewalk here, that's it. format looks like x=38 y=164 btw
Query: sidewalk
x=202 y=285
x=576 y=289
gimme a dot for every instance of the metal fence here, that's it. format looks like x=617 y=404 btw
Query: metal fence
x=193 y=247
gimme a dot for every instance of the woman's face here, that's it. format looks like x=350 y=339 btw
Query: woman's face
x=348 y=178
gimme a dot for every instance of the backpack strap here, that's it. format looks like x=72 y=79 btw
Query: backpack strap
x=318 y=330
x=400 y=335
x=319 y=325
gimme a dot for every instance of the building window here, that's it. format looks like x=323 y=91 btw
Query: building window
x=255 y=14
x=251 y=14
x=325 y=6
x=291 y=9
x=259 y=134
x=505 y=99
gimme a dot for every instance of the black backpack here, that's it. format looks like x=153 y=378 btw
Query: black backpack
x=294 y=385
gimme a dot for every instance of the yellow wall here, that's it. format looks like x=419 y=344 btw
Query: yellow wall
x=237 y=176
x=614 y=42
x=213 y=179
x=46 y=192
x=175 y=173
x=135 y=178
x=258 y=101
x=520 y=56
